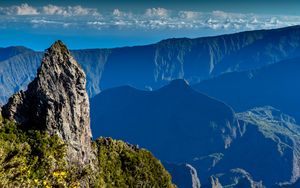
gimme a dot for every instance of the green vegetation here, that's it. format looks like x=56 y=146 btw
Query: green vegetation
x=124 y=165
x=33 y=158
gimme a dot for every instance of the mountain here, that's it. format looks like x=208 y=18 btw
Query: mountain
x=17 y=72
x=233 y=178
x=8 y=52
x=267 y=153
x=46 y=137
x=57 y=100
x=152 y=66
x=275 y=139
x=276 y=85
x=200 y=139
x=184 y=175
x=171 y=122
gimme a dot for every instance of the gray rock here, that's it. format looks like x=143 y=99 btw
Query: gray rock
x=183 y=175
x=57 y=102
x=268 y=148
x=234 y=178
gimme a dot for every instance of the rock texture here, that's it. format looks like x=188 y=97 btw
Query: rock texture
x=183 y=175
x=57 y=102
x=267 y=153
x=234 y=178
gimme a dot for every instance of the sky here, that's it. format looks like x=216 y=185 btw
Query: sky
x=117 y=23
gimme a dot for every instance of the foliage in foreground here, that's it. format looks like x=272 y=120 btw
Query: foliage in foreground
x=124 y=165
x=33 y=158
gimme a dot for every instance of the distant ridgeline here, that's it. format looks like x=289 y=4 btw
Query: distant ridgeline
x=201 y=140
x=152 y=66
x=235 y=133
x=46 y=140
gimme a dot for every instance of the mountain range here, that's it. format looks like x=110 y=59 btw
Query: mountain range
x=200 y=139
x=276 y=85
x=167 y=114
x=152 y=66
x=216 y=111
x=46 y=138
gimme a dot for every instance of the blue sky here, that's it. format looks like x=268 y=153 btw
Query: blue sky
x=105 y=24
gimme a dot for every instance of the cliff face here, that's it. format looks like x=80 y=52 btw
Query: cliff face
x=46 y=137
x=56 y=101
x=153 y=66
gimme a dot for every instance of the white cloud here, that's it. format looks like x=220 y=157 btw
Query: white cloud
x=23 y=9
x=42 y=21
x=69 y=10
x=189 y=14
x=117 y=13
x=79 y=17
x=157 y=12
x=52 y=9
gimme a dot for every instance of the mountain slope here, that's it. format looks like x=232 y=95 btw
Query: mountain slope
x=276 y=85
x=177 y=121
x=152 y=66
x=56 y=101
x=180 y=119
x=46 y=136
x=266 y=153
x=11 y=51
x=17 y=72
x=272 y=139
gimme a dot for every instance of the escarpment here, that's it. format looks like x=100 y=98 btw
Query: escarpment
x=56 y=101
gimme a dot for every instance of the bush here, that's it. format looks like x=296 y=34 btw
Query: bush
x=32 y=158
x=124 y=165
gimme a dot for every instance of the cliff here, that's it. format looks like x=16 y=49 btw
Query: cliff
x=47 y=140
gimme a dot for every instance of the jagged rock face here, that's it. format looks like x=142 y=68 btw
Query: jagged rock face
x=234 y=178
x=183 y=175
x=56 y=101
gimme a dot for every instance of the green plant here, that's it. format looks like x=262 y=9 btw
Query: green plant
x=31 y=158
x=124 y=165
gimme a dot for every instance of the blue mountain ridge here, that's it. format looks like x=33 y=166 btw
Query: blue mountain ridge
x=152 y=66
x=276 y=85
x=255 y=148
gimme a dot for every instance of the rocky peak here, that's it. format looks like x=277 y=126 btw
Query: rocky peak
x=179 y=85
x=180 y=82
x=57 y=102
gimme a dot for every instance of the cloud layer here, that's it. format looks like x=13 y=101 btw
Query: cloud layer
x=25 y=9
x=74 y=17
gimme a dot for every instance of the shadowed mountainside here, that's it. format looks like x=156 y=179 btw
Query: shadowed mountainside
x=46 y=139
x=256 y=148
x=152 y=66
x=276 y=85
x=167 y=114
